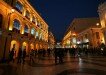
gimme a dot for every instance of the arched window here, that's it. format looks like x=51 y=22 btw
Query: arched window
x=33 y=31
x=19 y=7
x=27 y=15
x=26 y=29
x=40 y=36
x=37 y=35
x=16 y=24
x=33 y=19
x=1 y=19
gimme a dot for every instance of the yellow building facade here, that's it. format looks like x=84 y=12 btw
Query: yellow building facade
x=90 y=38
x=21 y=26
x=51 y=40
x=83 y=32
x=102 y=15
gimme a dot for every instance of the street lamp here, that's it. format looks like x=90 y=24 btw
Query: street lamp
x=3 y=58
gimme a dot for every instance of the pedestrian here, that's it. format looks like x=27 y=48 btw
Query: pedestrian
x=23 y=55
x=11 y=55
x=56 y=51
x=19 y=56
x=31 y=56
x=61 y=55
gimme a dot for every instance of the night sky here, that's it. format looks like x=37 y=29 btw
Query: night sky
x=58 y=14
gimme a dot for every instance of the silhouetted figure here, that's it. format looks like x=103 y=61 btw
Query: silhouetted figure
x=23 y=55
x=11 y=55
x=56 y=55
x=31 y=56
x=61 y=55
x=19 y=56
x=48 y=52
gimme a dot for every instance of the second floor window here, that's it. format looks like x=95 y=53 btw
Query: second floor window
x=19 y=6
x=16 y=24
x=10 y=2
x=27 y=15
x=33 y=19
x=26 y=29
x=33 y=31
x=37 y=34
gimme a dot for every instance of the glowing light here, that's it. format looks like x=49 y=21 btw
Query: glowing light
x=102 y=23
x=10 y=28
x=12 y=10
x=22 y=31
x=74 y=34
x=97 y=24
x=32 y=46
x=24 y=43
x=78 y=42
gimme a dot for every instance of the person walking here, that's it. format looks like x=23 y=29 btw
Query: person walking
x=23 y=55
x=19 y=56
x=11 y=55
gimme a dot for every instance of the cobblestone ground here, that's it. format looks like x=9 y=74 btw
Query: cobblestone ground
x=86 y=65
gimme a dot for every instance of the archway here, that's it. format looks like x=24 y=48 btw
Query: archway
x=37 y=46
x=25 y=46
x=15 y=44
x=41 y=46
x=32 y=46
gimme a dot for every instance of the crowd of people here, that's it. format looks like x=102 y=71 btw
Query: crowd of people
x=57 y=53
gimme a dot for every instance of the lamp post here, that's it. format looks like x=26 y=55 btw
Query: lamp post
x=4 y=51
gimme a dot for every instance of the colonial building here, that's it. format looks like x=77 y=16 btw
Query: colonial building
x=102 y=15
x=51 y=40
x=21 y=26
x=83 y=32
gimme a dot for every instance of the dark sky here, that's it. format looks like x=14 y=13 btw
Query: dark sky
x=59 y=13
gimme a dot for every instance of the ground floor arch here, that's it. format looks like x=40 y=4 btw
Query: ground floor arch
x=37 y=46
x=32 y=46
x=15 y=44
x=25 y=46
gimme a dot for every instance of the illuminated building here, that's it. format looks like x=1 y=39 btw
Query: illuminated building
x=22 y=26
x=102 y=15
x=51 y=40
x=83 y=32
